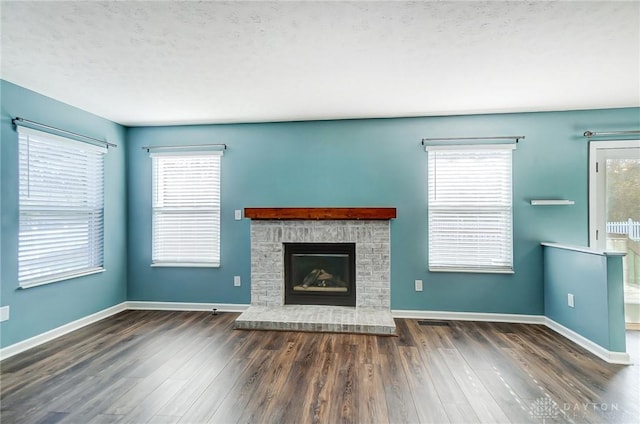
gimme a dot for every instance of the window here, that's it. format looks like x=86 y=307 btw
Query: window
x=186 y=209
x=470 y=217
x=61 y=208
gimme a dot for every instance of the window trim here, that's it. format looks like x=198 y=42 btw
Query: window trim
x=470 y=269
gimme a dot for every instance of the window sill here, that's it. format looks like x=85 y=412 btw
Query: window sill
x=473 y=271
x=185 y=265
x=24 y=286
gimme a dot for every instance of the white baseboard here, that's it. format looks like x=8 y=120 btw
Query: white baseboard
x=470 y=316
x=19 y=347
x=606 y=355
x=185 y=306
x=47 y=336
x=621 y=358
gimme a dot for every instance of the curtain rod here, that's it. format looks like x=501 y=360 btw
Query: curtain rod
x=517 y=138
x=590 y=134
x=49 y=127
x=190 y=146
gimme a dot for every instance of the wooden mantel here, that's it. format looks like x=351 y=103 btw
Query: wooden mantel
x=320 y=213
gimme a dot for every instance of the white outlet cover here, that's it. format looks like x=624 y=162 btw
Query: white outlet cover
x=4 y=313
x=238 y=214
x=236 y=281
x=570 y=300
x=418 y=285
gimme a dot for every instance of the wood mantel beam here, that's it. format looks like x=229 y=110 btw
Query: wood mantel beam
x=363 y=213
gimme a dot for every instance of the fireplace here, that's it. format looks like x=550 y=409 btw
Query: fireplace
x=278 y=233
x=320 y=274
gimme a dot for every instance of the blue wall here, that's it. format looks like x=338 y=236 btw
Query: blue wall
x=595 y=280
x=377 y=162
x=39 y=309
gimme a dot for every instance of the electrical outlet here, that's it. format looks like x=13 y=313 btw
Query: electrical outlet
x=236 y=281
x=4 y=313
x=570 y=300
x=418 y=285
x=238 y=214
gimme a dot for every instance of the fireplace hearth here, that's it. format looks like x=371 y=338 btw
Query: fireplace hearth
x=320 y=274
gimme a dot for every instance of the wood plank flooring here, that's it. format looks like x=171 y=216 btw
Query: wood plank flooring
x=193 y=367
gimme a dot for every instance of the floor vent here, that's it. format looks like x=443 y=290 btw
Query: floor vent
x=433 y=323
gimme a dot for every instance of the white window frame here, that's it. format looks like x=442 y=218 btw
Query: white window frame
x=61 y=208
x=504 y=263
x=185 y=240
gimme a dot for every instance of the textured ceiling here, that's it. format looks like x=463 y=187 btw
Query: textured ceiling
x=141 y=63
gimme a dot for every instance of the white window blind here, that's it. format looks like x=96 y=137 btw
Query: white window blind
x=186 y=208
x=470 y=208
x=61 y=192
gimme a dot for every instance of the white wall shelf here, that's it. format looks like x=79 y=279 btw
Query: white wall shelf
x=551 y=202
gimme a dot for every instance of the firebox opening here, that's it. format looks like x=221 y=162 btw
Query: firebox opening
x=320 y=274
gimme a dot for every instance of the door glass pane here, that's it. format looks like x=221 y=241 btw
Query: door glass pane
x=623 y=222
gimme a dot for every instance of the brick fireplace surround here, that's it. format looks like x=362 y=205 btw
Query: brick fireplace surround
x=368 y=228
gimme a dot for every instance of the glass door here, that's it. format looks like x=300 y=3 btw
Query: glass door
x=617 y=215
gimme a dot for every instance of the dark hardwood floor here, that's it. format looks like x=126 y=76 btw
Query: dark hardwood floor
x=193 y=367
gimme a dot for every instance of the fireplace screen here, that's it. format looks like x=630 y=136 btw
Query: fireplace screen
x=320 y=274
